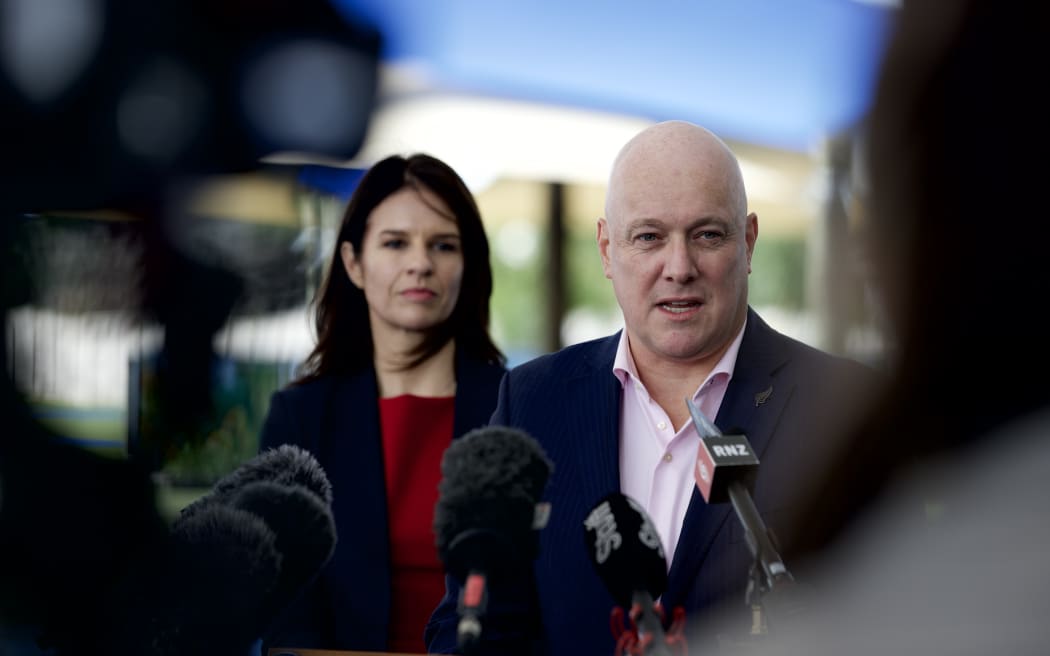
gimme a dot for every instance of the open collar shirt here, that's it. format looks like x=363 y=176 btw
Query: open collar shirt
x=657 y=459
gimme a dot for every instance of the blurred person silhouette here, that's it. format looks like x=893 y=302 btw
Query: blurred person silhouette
x=676 y=241
x=73 y=524
x=928 y=531
x=403 y=365
x=114 y=105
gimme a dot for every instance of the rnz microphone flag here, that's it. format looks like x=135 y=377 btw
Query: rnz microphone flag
x=721 y=460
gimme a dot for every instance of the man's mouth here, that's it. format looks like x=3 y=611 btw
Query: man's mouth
x=679 y=307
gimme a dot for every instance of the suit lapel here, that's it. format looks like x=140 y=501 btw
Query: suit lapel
x=594 y=404
x=476 y=386
x=353 y=445
x=753 y=404
x=354 y=442
x=579 y=423
x=755 y=397
x=583 y=420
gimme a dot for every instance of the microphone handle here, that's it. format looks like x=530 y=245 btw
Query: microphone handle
x=758 y=536
x=651 y=636
x=473 y=599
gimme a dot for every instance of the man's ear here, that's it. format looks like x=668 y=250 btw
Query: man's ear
x=351 y=264
x=751 y=236
x=603 y=245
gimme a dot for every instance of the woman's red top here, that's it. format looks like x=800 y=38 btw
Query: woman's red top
x=416 y=431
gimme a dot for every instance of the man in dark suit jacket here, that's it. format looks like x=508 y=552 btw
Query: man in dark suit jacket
x=677 y=243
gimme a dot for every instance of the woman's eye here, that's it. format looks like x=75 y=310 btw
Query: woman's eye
x=394 y=243
x=446 y=247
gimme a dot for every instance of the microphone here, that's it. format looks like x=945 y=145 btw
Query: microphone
x=304 y=535
x=726 y=467
x=287 y=465
x=625 y=550
x=287 y=488
x=284 y=491
x=487 y=515
x=207 y=591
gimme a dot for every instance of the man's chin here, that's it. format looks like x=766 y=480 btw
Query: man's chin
x=683 y=349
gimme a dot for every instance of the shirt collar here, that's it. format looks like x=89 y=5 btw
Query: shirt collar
x=625 y=370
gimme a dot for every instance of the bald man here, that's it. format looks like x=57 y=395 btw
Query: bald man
x=676 y=241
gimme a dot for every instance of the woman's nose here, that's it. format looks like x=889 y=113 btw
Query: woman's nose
x=420 y=262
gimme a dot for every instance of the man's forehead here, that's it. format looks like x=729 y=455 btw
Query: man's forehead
x=676 y=223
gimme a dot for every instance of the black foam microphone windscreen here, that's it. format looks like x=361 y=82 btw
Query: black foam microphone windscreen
x=286 y=489
x=625 y=548
x=304 y=534
x=286 y=464
x=492 y=479
x=207 y=592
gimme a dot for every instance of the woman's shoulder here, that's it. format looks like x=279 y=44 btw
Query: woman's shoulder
x=304 y=387
x=316 y=389
x=296 y=412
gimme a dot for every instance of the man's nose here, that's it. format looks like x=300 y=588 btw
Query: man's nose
x=680 y=267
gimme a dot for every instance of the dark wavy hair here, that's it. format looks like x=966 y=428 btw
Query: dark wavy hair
x=344 y=335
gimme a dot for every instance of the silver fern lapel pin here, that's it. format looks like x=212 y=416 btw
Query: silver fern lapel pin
x=763 y=396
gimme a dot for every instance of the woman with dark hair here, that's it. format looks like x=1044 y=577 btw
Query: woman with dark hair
x=403 y=364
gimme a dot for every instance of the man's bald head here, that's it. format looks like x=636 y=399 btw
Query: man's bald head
x=680 y=149
x=676 y=242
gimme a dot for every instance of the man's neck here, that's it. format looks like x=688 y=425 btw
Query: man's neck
x=670 y=382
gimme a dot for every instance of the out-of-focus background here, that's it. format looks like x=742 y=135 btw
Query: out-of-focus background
x=529 y=101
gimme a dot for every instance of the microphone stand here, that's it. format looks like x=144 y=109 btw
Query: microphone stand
x=645 y=635
x=651 y=638
x=768 y=573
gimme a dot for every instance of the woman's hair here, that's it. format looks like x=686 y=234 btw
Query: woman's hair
x=344 y=335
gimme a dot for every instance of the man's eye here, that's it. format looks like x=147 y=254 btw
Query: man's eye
x=646 y=236
x=709 y=235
